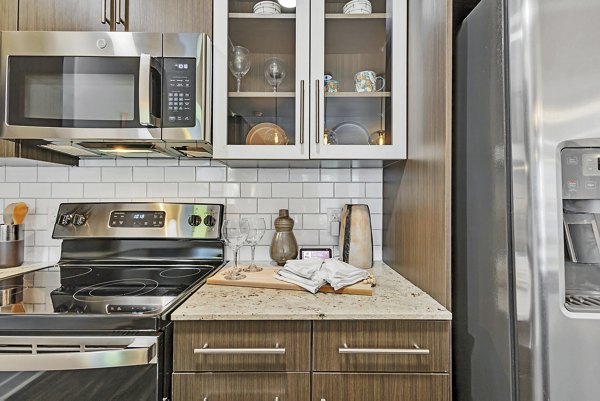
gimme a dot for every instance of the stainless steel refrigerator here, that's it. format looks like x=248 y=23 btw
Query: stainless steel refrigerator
x=526 y=267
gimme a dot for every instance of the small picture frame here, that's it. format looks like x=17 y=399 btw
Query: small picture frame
x=320 y=253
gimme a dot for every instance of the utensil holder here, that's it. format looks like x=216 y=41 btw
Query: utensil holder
x=12 y=245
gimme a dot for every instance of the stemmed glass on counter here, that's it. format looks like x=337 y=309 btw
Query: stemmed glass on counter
x=256 y=230
x=235 y=233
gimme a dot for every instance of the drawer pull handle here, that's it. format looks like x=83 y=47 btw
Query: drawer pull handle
x=394 y=351
x=205 y=350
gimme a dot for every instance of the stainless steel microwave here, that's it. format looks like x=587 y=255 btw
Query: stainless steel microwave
x=81 y=87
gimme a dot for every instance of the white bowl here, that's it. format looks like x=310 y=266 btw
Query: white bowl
x=357 y=7
x=357 y=2
x=267 y=7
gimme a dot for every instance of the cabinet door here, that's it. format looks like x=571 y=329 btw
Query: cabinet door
x=165 y=16
x=358 y=80
x=264 y=114
x=241 y=386
x=65 y=15
x=380 y=387
x=8 y=15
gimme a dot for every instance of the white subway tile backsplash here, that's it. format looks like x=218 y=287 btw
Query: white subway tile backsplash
x=130 y=190
x=304 y=206
x=162 y=189
x=317 y=190
x=210 y=174
x=273 y=174
x=246 y=192
x=9 y=190
x=256 y=190
x=224 y=190
x=242 y=174
x=117 y=174
x=148 y=174
x=180 y=174
x=21 y=174
x=100 y=191
x=85 y=174
x=367 y=175
x=74 y=190
x=349 y=190
x=53 y=174
x=35 y=190
x=287 y=190
x=194 y=189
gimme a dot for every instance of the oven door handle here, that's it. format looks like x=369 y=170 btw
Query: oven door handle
x=139 y=352
x=144 y=90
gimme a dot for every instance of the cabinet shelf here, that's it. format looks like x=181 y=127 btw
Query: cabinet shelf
x=261 y=16
x=261 y=94
x=357 y=16
x=358 y=94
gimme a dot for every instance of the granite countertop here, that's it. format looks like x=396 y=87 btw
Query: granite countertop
x=26 y=267
x=394 y=297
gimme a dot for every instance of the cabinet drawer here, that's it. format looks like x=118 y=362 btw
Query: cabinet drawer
x=382 y=346
x=211 y=346
x=241 y=386
x=382 y=386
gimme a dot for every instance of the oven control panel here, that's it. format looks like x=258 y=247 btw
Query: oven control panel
x=580 y=173
x=139 y=220
x=179 y=96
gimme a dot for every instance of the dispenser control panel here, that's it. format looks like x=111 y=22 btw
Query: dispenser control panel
x=580 y=173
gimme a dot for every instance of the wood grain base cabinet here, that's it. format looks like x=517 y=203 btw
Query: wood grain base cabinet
x=380 y=387
x=241 y=386
x=374 y=360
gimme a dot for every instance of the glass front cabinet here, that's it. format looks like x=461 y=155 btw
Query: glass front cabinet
x=318 y=79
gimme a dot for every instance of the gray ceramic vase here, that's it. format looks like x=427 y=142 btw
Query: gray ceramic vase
x=356 y=236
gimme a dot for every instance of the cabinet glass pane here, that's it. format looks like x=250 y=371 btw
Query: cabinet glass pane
x=263 y=111
x=357 y=72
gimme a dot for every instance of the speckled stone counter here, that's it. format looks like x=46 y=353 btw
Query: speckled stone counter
x=24 y=268
x=394 y=297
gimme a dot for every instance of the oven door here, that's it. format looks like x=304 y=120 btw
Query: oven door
x=80 y=368
x=81 y=85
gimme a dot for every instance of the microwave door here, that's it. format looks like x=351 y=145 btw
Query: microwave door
x=102 y=86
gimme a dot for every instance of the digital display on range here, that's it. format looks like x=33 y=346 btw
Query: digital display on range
x=128 y=219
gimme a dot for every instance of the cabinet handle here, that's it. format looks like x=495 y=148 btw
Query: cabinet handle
x=393 y=351
x=276 y=399
x=103 y=19
x=118 y=18
x=302 y=112
x=242 y=351
x=318 y=103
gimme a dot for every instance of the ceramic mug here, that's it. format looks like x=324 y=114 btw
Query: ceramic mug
x=366 y=81
x=331 y=85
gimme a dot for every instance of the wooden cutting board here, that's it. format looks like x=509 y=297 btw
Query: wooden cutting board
x=265 y=279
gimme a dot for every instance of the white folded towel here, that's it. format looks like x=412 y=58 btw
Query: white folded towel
x=304 y=267
x=308 y=284
x=340 y=274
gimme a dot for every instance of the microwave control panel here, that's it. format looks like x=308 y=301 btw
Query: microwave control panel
x=580 y=173
x=179 y=83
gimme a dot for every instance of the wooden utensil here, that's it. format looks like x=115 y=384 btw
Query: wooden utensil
x=8 y=213
x=19 y=213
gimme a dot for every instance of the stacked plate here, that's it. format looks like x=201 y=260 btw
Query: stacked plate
x=358 y=7
x=267 y=7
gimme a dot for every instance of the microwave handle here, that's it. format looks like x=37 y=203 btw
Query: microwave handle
x=144 y=90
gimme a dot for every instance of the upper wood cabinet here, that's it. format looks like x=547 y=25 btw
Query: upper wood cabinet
x=8 y=15
x=340 y=90
x=116 y=15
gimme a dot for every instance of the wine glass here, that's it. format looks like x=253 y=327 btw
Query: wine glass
x=235 y=232
x=256 y=230
x=239 y=63
x=275 y=71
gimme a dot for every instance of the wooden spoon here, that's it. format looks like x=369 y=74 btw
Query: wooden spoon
x=19 y=213
x=8 y=213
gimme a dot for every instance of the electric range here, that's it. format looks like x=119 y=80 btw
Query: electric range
x=105 y=307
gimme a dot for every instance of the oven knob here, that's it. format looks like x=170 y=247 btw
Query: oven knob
x=79 y=220
x=210 y=220
x=195 y=220
x=65 y=219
